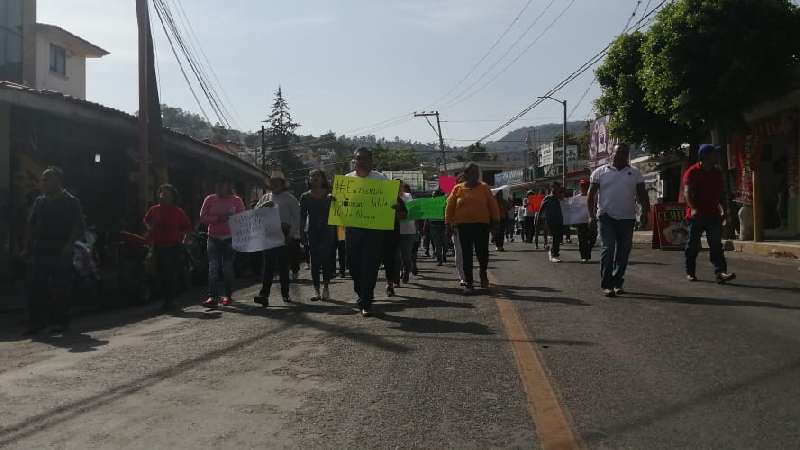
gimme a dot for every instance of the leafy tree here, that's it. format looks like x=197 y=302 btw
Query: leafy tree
x=477 y=152
x=280 y=135
x=623 y=98
x=395 y=159
x=705 y=62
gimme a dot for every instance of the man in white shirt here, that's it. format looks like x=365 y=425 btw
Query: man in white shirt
x=613 y=193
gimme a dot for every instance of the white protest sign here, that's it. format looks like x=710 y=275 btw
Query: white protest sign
x=575 y=210
x=257 y=230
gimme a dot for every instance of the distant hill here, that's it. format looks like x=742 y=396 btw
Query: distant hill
x=512 y=146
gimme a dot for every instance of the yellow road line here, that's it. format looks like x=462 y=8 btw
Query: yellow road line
x=552 y=425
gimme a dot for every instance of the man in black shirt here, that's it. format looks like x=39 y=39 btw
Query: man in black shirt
x=55 y=223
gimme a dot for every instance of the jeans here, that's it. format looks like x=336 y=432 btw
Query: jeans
x=321 y=247
x=500 y=233
x=617 y=236
x=275 y=260
x=438 y=239
x=220 y=261
x=364 y=250
x=51 y=282
x=587 y=235
x=557 y=231
x=392 y=261
x=167 y=270
x=712 y=226
x=529 y=228
x=408 y=261
x=474 y=236
x=536 y=229
x=341 y=249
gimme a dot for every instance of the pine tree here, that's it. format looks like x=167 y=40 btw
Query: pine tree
x=280 y=135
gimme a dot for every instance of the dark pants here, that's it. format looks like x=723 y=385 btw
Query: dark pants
x=408 y=254
x=392 y=262
x=167 y=270
x=500 y=233
x=220 y=261
x=51 y=282
x=587 y=235
x=294 y=254
x=474 y=237
x=320 y=249
x=529 y=228
x=437 y=234
x=557 y=231
x=539 y=228
x=364 y=250
x=713 y=228
x=341 y=249
x=275 y=260
x=617 y=236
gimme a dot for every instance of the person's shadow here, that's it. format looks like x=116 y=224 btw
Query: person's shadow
x=74 y=342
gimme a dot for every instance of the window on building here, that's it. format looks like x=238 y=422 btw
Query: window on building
x=58 y=59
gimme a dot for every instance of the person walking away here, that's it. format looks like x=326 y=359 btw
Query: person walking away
x=391 y=258
x=341 y=251
x=550 y=213
x=472 y=209
x=216 y=210
x=540 y=228
x=438 y=233
x=511 y=215
x=278 y=259
x=321 y=238
x=500 y=229
x=529 y=224
x=521 y=220
x=703 y=189
x=364 y=246
x=407 y=237
x=613 y=192
x=426 y=238
x=587 y=233
x=55 y=223
x=167 y=225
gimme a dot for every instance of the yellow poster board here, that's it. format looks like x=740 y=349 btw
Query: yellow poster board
x=363 y=202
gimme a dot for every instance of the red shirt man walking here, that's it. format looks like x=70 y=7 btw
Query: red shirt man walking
x=703 y=185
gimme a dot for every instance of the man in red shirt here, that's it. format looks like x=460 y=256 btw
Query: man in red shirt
x=703 y=184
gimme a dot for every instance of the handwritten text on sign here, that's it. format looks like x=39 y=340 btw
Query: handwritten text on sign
x=257 y=230
x=363 y=203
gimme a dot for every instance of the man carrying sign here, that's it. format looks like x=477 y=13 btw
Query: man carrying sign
x=364 y=245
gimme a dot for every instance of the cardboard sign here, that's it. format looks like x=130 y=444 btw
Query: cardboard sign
x=670 y=227
x=535 y=202
x=363 y=203
x=447 y=183
x=427 y=208
x=575 y=210
x=257 y=230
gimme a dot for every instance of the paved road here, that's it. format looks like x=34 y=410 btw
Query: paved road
x=542 y=360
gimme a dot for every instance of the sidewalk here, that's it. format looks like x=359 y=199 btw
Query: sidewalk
x=787 y=250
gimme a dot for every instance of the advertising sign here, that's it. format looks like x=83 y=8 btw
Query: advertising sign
x=670 y=227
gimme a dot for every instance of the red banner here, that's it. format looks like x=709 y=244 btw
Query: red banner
x=535 y=202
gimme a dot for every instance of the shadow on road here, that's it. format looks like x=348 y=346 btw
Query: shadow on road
x=706 y=301
x=769 y=288
x=544 y=342
x=508 y=294
x=432 y=326
x=73 y=342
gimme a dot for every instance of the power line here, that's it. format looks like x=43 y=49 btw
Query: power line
x=641 y=23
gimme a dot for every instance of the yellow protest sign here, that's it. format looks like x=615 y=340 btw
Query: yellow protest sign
x=363 y=202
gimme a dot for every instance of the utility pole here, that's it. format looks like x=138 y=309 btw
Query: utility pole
x=438 y=132
x=563 y=142
x=143 y=22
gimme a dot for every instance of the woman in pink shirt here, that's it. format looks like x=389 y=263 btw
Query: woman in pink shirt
x=217 y=209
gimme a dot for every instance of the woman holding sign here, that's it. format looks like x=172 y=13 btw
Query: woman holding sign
x=471 y=209
x=320 y=237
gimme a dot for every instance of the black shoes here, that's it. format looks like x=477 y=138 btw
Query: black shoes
x=261 y=300
x=723 y=277
x=609 y=293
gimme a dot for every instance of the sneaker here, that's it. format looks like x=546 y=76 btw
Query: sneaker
x=316 y=296
x=462 y=283
x=619 y=291
x=261 y=300
x=723 y=277
x=226 y=301
x=584 y=261
x=326 y=293
x=211 y=302
x=691 y=277
x=554 y=259
x=365 y=312
x=468 y=289
x=609 y=293
x=390 y=291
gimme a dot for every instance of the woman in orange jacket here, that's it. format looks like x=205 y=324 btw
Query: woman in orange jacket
x=472 y=209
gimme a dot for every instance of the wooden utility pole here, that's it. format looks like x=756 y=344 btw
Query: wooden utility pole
x=143 y=22
x=438 y=132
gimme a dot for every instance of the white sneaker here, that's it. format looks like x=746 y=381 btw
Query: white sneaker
x=553 y=259
x=326 y=294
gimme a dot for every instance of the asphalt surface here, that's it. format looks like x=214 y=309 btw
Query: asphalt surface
x=668 y=365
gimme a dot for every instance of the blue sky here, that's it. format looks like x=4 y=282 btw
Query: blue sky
x=347 y=64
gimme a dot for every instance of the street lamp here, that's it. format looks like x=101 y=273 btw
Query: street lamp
x=564 y=140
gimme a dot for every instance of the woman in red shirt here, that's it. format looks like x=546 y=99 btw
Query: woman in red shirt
x=167 y=225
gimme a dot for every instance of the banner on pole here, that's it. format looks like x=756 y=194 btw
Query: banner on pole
x=535 y=202
x=575 y=210
x=427 y=208
x=363 y=203
x=257 y=230
x=447 y=183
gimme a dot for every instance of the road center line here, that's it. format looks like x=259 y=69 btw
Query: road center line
x=550 y=419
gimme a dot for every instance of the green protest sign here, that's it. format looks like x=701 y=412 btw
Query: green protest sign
x=427 y=208
x=363 y=203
